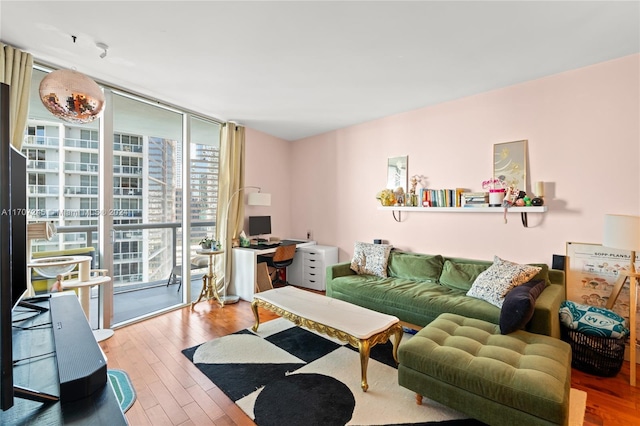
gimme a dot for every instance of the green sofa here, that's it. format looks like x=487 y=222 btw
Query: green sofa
x=420 y=287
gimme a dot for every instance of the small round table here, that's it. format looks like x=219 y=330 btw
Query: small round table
x=209 y=288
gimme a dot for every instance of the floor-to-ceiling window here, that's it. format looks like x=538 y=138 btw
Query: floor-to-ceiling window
x=149 y=156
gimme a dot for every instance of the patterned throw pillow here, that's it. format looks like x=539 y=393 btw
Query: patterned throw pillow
x=370 y=259
x=493 y=284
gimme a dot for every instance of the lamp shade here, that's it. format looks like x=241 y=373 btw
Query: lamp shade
x=621 y=232
x=259 y=199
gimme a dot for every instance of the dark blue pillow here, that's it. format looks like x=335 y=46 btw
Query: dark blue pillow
x=519 y=305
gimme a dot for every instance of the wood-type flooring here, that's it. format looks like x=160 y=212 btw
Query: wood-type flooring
x=172 y=391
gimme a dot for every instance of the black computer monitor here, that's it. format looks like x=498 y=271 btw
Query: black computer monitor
x=259 y=225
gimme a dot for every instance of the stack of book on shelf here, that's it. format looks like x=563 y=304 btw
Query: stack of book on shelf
x=475 y=199
x=441 y=197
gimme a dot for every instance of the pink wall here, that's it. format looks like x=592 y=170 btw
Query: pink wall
x=583 y=133
x=267 y=166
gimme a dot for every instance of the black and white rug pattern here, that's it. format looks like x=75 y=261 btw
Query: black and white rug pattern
x=286 y=375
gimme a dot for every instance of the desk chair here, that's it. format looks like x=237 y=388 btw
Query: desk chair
x=198 y=262
x=278 y=262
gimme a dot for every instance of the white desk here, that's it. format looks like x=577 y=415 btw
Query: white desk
x=245 y=269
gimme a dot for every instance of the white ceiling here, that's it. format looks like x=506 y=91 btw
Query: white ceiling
x=294 y=69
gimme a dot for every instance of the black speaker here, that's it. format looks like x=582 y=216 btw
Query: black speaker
x=558 y=262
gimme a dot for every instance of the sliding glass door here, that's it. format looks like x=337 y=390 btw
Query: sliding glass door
x=127 y=185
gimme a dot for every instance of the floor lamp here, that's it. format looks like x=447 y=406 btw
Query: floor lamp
x=623 y=232
x=255 y=199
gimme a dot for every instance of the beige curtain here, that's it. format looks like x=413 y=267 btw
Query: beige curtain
x=230 y=180
x=15 y=70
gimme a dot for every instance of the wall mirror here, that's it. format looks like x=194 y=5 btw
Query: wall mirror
x=510 y=163
x=397 y=173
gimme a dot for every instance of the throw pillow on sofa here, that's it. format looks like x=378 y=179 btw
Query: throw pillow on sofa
x=370 y=259
x=460 y=276
x=411 y=266
x=493 y=284
x=519 y=305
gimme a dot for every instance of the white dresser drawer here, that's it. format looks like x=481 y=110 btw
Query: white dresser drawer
x=309 y=266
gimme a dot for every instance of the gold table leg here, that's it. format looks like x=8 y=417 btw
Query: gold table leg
x=254 y=308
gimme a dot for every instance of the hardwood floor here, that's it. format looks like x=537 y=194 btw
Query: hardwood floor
x=172 y=391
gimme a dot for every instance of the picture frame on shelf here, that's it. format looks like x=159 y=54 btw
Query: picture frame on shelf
x=397 y=173
x=510 y=163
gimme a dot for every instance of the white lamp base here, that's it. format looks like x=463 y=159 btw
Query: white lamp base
x=230 y=299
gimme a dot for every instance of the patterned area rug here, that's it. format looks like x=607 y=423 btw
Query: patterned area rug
x=125 y=393
x=288 y=375
x=284 y=374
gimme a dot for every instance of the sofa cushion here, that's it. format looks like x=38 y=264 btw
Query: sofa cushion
x=370 y=259
x=412 y=266
x=493 y=284
x=519 y=304
x=460 y=275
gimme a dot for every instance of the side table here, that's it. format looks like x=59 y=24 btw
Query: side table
x=209 y=287
x=83 y=285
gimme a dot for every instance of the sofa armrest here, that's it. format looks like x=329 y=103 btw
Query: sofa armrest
x=338 y=270
x=546 y=317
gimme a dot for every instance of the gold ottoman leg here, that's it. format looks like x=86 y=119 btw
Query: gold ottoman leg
x=397 y=337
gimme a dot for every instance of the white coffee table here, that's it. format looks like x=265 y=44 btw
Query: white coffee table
x=360 y=327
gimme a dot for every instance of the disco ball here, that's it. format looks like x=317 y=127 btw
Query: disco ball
x=71 y=96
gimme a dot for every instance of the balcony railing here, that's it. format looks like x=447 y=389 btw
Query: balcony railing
x=42 y=141
x=81 y=143
x=43 y=189
x=80 y=167
x=126 y=282
x=36 y=165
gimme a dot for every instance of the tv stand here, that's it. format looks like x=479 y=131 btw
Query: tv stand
x=62 y=367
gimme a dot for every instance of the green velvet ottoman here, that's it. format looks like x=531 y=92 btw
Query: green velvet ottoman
x=466 y=364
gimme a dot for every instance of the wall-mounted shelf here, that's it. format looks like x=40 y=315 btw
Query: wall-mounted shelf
x=522 y=210
x=532 y=209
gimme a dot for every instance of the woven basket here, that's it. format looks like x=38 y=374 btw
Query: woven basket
x=601 y=356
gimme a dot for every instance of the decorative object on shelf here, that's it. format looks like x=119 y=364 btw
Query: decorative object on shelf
x=496 y=189
x=510 y=163
x=71 y=96
x=397 y=168
x=412 y=199
x=399 y=196
x=386 y=197
x=539 y=194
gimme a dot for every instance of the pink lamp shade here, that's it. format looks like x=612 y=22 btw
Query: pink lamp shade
x=621 y=232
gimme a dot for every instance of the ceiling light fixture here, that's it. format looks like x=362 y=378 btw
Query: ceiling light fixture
x=104 y=48
x=71 y=96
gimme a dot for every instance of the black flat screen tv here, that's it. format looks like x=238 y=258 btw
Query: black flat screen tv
x=259 y=225
x=13 y=244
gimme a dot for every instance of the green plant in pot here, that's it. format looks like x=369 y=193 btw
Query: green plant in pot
x=207 y=243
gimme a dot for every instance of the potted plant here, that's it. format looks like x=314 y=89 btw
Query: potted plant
x=207 y=243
